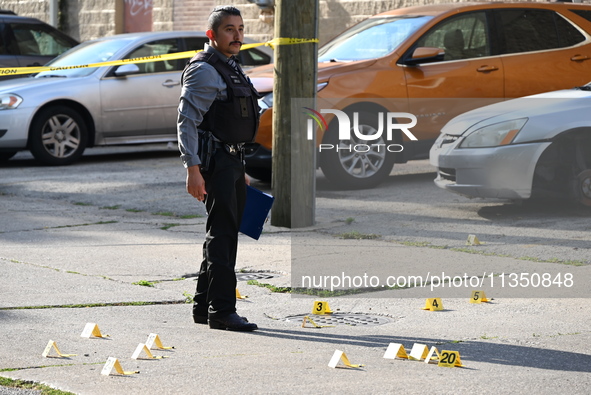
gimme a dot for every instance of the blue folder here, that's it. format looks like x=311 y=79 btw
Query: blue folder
x=256 y=211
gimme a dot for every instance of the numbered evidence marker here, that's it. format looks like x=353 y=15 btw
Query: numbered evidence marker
x=52 y=345
x=473 y=241
x=433 y=304
x=395 y=350
x=340 y=356
x=154 y=340
x=418 y=352
x=238 y=296
x=92 y=330
x=142 y=347
x=114 y=363
x=449 y=359
x=478 y=297
x=432 y=358
x=321 y=308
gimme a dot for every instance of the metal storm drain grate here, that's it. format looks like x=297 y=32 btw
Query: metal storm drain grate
x=254 y=276
x=352 y=319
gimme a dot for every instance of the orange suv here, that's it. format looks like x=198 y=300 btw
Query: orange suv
x=431 y=63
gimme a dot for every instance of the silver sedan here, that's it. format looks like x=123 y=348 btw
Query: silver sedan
x=57 y=114
x=536 y=146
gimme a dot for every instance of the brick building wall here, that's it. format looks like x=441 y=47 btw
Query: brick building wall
x=86 y=19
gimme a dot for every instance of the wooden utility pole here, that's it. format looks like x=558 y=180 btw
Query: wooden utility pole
x=294 y=163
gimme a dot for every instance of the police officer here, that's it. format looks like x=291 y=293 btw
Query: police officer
x=218 y=113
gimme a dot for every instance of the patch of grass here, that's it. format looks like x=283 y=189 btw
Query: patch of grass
x=44 y=389
x=485 y=337
x=164 y=213
x=349 y=220
x=188 y=297
x=271 y=287
x=82 y=204
x=354 y=235
x=190 y=216
x=416 y=243
x=116 y=207
x=554 y=260
x=144 y=283
x=134 y=210
x=89 y=305
x=168 y=226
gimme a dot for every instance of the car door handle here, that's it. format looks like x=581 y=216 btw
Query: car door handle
x=578 y=58
x=485 y=69
x=170 y=83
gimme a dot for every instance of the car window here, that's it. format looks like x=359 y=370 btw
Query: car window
x=155 y=48
x=86 y=53
x=253 y=57
x=372 y=38
x=462 y=37
x=195 y=43
x=526 y=30
x=3 y=50
x=34 y=40
x=583 y=13
x=568 y=35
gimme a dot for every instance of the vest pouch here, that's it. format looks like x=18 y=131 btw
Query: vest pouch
x=243 y=104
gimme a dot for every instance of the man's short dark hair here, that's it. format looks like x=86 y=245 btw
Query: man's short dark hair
x=218 y=14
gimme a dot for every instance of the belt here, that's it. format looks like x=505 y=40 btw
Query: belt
x=232 y=149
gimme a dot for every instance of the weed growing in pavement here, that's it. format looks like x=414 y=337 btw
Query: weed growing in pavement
x=116 y=207
x=168 y=226
x=358 y=236
x=144 y=283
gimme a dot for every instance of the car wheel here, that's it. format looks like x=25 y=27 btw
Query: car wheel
x=356 y=163
x=58 y=136
x=4 y=156
x=584 y=187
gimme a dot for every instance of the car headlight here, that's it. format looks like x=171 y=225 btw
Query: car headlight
x=501 y=133
x=10 y=101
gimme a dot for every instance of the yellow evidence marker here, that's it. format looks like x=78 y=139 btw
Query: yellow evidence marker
x=449 y=359
x=432 y=358
x=92 y=330
x=478 y=297
x=321 y=308
x=154 y=340
x=395 y=350
x=419 y=351
x=111 y=363
x=473 y=241
x=433 y=304
x=340 y=356
x=142 y=347
x=238 y=296
x=53 y=346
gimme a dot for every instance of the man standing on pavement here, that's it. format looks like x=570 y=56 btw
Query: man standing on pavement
x=218 y=113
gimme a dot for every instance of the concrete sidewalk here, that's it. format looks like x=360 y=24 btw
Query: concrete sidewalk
x=65 y=265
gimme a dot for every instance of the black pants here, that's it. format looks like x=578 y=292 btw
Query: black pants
x=226 y=194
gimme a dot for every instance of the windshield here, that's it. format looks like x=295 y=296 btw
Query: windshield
x=85 y=53
x=372 y=38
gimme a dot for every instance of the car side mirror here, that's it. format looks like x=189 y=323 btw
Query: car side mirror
x=127 y=69
x=425 y=55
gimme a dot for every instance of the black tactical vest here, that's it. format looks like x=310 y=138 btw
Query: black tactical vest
x=236 y=119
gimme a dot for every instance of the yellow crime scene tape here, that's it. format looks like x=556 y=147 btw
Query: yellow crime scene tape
x=146 y=59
